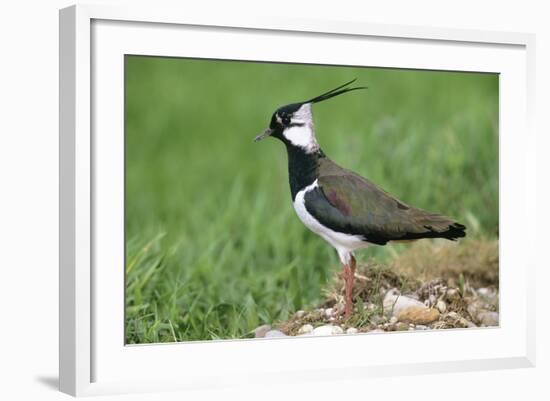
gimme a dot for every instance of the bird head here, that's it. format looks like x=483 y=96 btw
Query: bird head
x=293 y=123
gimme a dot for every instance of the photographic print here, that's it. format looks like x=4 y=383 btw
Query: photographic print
x=271 y=200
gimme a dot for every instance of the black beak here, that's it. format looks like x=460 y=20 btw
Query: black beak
x=264 y=134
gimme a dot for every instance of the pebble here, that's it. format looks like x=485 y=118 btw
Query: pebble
x=327 y=330
x=484 y=292
x=453 y=315
x=305 y=329
x=352 y=330
x=441 y=306
x=274 y=333
x=474 y=308
x=377 y=319
x=407 y=309
x=371 y=306
x=488 y=295
x=466 y=323
x=300 y=314
x=421 y=327
x=418 y=315
x=259 y=332
x=401 y=326
x=338 y=309
x=395 y=303
x=328 y=312
x=488 y=318
x=452 y=294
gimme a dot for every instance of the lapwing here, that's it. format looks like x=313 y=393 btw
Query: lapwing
x=345 y=209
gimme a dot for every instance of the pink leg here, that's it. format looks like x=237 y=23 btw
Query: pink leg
x=349 y=278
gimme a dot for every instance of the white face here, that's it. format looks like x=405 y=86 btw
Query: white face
x=300 y=131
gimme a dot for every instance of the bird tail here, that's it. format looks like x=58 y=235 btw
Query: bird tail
x=454 y=231
x=439 y=226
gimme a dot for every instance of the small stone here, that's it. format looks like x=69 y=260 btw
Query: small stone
x=300 y=314
x=441 y=306
x=453 y=315
x=421 y=327
x=259 y=332
x=352 y=330
x=488 y=295
x=327 y=330
x=371 y=306
x=395 y=303
x=418 y=315
x=474 y=308
x=305 y=329
x=484 y=292
x=338 y=309
x=452 y=294
x=401 y=326
x=328 y=312
x=487 y=318
x=393 y=320
x=377 y=319
x=466 y=323
x=274 y=333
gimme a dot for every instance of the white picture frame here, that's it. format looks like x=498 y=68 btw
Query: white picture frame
x=93 y=357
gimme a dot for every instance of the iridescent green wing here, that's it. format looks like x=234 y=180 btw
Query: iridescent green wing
x=349 y=203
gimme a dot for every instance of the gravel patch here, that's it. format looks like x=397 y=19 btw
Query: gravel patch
x=388 y=298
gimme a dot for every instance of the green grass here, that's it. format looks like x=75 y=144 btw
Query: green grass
x=213 y=246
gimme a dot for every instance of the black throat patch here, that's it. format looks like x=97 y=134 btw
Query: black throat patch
x=303 y=167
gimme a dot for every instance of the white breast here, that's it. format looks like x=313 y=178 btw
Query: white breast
x=344 y=244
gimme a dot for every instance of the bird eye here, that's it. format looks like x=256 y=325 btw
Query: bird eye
x=286 y=120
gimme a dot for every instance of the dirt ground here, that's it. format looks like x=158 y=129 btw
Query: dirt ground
x=431 y=285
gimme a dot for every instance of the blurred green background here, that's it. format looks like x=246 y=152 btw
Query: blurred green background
x=213 y=246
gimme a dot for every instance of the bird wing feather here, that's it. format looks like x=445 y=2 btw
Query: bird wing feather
x=349 y=203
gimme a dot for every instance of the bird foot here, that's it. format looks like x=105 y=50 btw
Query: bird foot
x=341 y=312
x=338 y=309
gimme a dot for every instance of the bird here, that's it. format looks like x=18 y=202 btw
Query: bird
x=345 y=209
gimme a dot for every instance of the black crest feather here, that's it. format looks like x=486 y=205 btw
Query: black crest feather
x=293 y=107
x=335 y=92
